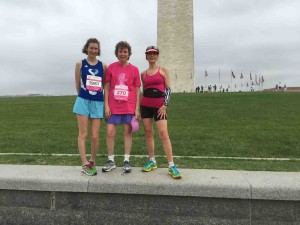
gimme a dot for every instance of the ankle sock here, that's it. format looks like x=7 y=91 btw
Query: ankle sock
x=153 y=159
x=126 y=157
x=171 y=164
x=111 y=157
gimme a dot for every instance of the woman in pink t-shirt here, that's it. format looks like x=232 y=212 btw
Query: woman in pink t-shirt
x=122 y=96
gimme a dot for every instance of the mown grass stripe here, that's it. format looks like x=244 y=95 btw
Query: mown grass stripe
x=158 y=156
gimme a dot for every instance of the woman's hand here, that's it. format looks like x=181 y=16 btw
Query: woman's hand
x=107 y=112
x=162 y=112
x=137 y=114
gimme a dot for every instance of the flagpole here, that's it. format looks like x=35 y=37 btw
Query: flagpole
x=219 y=78
x=205 y=77
x=241 y=80
x=231 y=80
x=250 y=81
x=259 y=80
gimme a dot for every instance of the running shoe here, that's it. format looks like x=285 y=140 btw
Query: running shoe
x=109 y=166
x=92 y=164
x=174 y=172
x=126 y=167
x=150 y=166
x=88 y=170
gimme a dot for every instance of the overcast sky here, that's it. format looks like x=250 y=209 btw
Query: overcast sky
x=42 y=39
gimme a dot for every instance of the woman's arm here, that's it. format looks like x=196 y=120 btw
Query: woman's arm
x=78 y=76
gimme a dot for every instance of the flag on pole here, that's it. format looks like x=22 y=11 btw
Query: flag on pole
x=241 y=76
x=256 y=79
x=205 y=74
x=232 y=74
x=262 y=79
x=250 y=76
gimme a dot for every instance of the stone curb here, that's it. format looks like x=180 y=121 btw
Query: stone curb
x=195 y=182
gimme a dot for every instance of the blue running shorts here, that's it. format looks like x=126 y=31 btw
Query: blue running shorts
x=89 y=108
x=120 y=118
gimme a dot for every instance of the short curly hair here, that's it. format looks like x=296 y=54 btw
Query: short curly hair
x=123 y=44
x=89 y=41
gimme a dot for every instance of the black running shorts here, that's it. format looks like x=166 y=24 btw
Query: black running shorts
x=149 y=112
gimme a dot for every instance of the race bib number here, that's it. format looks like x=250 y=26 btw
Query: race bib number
x=93 y=83
x=121 y=92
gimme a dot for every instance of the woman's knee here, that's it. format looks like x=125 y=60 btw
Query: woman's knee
x=110 y=131
x=95 y=138
x=82 y=135
x=110 y=134
x=163 y=135
x=149 y=132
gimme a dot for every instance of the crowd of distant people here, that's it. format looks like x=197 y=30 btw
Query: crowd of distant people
x=214 y=88
x=210 y=88
x=279 y=87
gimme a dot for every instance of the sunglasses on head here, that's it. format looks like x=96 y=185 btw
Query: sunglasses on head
x=152 y=47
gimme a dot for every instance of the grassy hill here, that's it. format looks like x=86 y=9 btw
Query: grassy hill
x=250 y=125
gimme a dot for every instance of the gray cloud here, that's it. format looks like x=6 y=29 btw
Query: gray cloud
x=41 y=40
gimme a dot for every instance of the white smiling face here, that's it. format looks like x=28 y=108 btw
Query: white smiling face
x=123 y=55
x=93 y=50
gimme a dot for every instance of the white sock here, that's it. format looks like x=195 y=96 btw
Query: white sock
x=153 y=159
x=111 y=157
x=171 y=164
x=126 y=157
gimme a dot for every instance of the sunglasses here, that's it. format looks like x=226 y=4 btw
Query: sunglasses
x=152 y=47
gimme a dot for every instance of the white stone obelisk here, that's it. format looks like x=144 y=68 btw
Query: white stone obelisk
x=175 y=40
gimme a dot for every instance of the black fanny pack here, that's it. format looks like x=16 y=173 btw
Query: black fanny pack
x=153 y=93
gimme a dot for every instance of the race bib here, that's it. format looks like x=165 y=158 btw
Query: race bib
x=121 y=92
x=93 y=83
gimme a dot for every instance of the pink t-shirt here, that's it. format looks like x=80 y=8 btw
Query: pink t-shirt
x=123 y=83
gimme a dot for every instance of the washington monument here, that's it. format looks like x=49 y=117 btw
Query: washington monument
x=175 y=34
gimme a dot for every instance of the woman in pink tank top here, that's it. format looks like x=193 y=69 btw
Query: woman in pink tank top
x=154 y=104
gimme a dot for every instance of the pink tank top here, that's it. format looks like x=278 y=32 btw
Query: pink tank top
x=153 y=81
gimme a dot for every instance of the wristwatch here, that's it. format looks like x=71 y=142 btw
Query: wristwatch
x=166 y=104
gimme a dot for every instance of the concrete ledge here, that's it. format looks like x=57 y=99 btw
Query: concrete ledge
x=62 y=195
x=198 y=183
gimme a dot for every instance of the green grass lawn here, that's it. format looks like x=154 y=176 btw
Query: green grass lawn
x=260 y=125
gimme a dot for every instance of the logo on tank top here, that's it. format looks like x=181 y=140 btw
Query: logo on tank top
x=93 y=82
